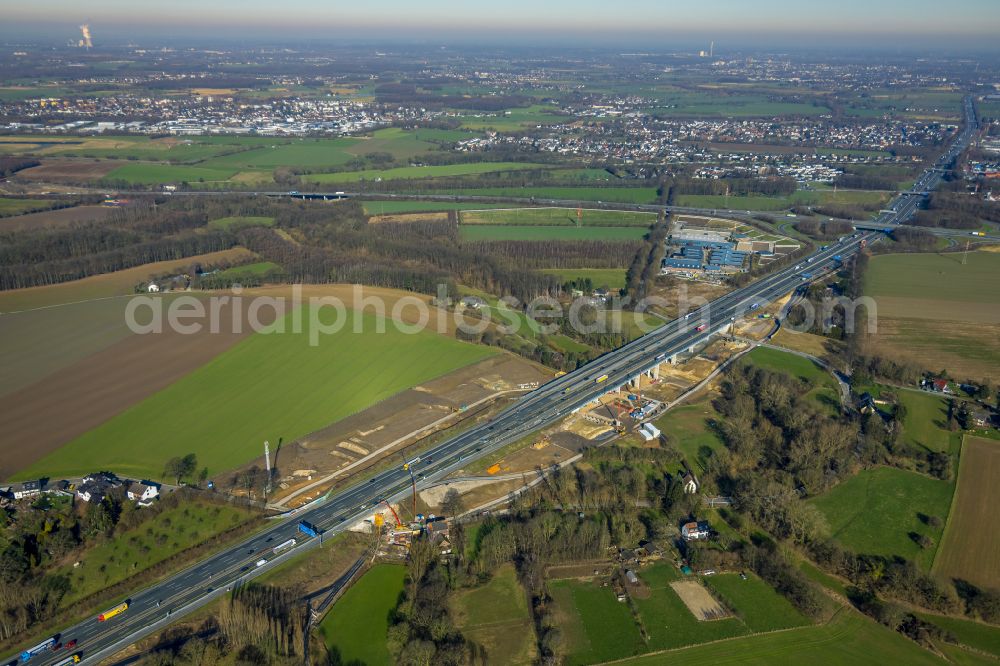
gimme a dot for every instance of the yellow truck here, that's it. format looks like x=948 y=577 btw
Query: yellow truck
x=111 y=612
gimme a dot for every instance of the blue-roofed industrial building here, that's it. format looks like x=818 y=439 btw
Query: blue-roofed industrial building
x=678 y=262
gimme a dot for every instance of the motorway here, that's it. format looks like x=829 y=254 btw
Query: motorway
x=155 y=607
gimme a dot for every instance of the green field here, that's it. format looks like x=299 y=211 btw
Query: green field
x=668 y=621
x=516 y=118
x=748 y=108
x=392 y=207
x=19 y=206
x=792 y=364
x=612 y=278
x=256 y=269
x=567 y=344
x=637 y=195
x=974 y=634
x=551 y=217
x=234 y=223
x=756 y=603
x=356 y=626
x=595 y=626
x=159 y=174
x=689 y=430
x=849 y=639
x=269 y=386
x=876 y=511
x=937 y=312
x=496 y=616
x=131 y=552
x=915 y=103
x=503 y=232
x=926 y=422
x=331 y=153
x=401 y=173
x=921 y=277
x=598 y=628
x=799 y=198
x=825 y=394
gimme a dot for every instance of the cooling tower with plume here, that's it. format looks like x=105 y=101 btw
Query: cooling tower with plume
x=85 y=42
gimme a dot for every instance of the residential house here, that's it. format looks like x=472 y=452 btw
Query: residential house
x=940 y=385
x=866 y=404
x=143 y=492
x=25 y=490
x=689 y=483
x=95 y=487
x=695 y=530
x=473 y=302
x=981 y=418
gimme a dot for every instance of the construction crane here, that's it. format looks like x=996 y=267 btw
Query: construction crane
x=413 y=483
x=395 y=515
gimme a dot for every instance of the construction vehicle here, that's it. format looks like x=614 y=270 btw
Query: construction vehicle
x=112 y=612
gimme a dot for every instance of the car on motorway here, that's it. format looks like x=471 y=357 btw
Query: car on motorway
x=71 y=644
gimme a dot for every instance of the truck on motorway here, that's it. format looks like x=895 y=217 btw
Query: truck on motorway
x=308 y=529
x=72 y=659
x=112 y=612
x=701 y=328
x=977 y=233
x=602 y=378
x=41 y=647
x=284 y=545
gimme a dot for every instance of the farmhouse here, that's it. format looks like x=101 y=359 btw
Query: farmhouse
x=695 y=530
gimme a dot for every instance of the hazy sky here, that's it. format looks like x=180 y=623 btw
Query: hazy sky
x=975 y=23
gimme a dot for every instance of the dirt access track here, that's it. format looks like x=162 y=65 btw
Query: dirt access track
x=393 y=423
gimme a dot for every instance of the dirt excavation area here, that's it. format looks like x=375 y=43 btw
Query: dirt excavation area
x=699 y=600
x=414 y=418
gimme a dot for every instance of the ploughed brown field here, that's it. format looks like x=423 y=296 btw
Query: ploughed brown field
x=972 y=537
x=40 y=417
x=56 y=171
x=61 y=217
